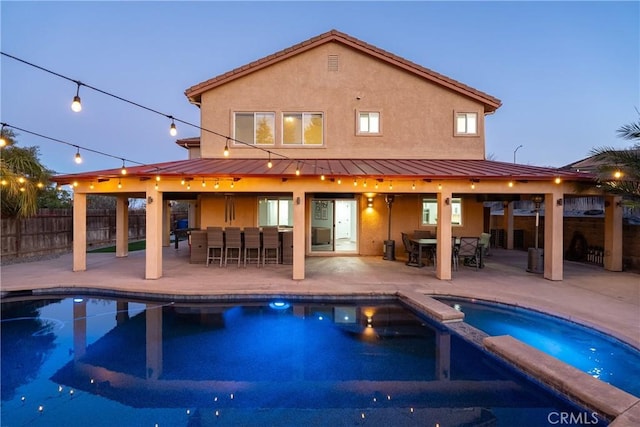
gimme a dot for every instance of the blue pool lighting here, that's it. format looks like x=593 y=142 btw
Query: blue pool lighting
x=279 y=305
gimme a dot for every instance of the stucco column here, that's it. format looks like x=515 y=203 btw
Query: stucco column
x=443 y=234
x=153 y=267
x=166 y=223
x=613 y=233
x=122 y=226
x=508 y=224
x=79 y=232
x=553 y=236
x=299 y=204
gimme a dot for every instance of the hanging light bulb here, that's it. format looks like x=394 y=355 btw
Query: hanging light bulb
x=322 y=177
x=204 y=184
x=390 y=185
x=233 y=183
x=364 y=184
x=123 y=171
x=355 y=182
x=216 y=185
x=226 y=148
x=413 y=185
x=269 y=164
x=119 y=183
x=78 y=156
x=173 y=131
x=339 y=181
x=157 y=178
x=91 y=186
x=298 y=169
x=76 y=105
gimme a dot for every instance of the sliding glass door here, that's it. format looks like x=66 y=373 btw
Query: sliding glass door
x=334 y=225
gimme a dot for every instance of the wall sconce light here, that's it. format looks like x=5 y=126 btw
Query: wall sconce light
x=447 y=201
x=559 y=202
x=370 y=202
x=149 y=200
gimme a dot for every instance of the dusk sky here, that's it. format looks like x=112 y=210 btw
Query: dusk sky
x=567 y=72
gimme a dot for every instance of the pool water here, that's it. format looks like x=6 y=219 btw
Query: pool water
x=592 y=352
x=102 y=362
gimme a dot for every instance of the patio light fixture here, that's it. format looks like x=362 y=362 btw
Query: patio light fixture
x=78 y=157
x=173 y=131
x=76 y=105
x=226 y=148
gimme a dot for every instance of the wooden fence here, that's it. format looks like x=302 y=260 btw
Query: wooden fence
x=51 y=231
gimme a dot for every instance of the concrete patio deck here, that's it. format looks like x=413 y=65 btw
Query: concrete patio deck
x=607 y=301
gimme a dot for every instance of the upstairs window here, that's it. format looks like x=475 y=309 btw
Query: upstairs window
x=466 y=123
x=302 y=129
x=255 y=128
x=368 y=123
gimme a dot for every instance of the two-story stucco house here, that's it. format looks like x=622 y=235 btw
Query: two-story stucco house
x=315 y=139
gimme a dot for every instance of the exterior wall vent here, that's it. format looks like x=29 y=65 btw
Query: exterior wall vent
x=332 y=63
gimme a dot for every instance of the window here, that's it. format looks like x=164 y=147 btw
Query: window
x=466 y=123
x=302 y=129
x=255 y=128
x=430 y=211
x=275 y=212
x=368 y=123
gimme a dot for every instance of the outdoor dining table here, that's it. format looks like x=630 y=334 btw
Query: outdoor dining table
x=424 y=243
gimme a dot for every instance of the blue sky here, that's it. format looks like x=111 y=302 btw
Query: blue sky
x=567 y=72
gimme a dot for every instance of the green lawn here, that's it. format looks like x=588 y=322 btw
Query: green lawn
x=133 y=246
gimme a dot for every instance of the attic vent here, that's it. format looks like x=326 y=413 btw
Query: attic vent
x=332 y=63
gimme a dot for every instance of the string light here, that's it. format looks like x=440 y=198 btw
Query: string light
x=123 y=171
x=298 y=169
x=558 y=180
x=355 y=182
x=76 y=105
x=269 y=164
x=119 y=183
x=78 y=156
x=204 y=184
x=364 y=184
x=322 y=177
x=217 y=184
x=390 y=185
x=3 y=142
x=226 y=148
x=617 y=174
x=173 y=131
x=413 y=185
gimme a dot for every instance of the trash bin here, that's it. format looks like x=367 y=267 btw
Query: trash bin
x=182 y=224
x=535 y=261
x=389 y=250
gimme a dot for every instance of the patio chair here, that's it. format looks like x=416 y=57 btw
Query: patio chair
x=485 y=243
x=411 y=249
x=270 y=245
x=232 y=245
x=251 y=245
x=455 y=260
x=215 y=244
x=468 y=251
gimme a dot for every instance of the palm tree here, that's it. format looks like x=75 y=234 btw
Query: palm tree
x=22 y=176
x=619 y=170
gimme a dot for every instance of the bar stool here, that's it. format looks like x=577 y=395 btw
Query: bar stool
x=270 y=245
x=215 y=244
x=232 y=245
x=251 y=244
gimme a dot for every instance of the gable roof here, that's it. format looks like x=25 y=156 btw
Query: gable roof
x=491 y=103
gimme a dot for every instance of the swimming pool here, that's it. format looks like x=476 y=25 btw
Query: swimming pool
x=92 y=361
x=599 y=355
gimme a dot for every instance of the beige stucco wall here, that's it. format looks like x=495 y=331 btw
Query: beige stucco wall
x=373 y=222
x=421 y=126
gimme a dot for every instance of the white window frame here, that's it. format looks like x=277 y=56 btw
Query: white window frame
x=367 y=115
x=430 y=211
x=278 y=211
x=305 y=116
x=255 y=114
x=463 y=125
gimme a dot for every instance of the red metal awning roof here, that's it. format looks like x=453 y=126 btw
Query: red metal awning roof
x=344 y=168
